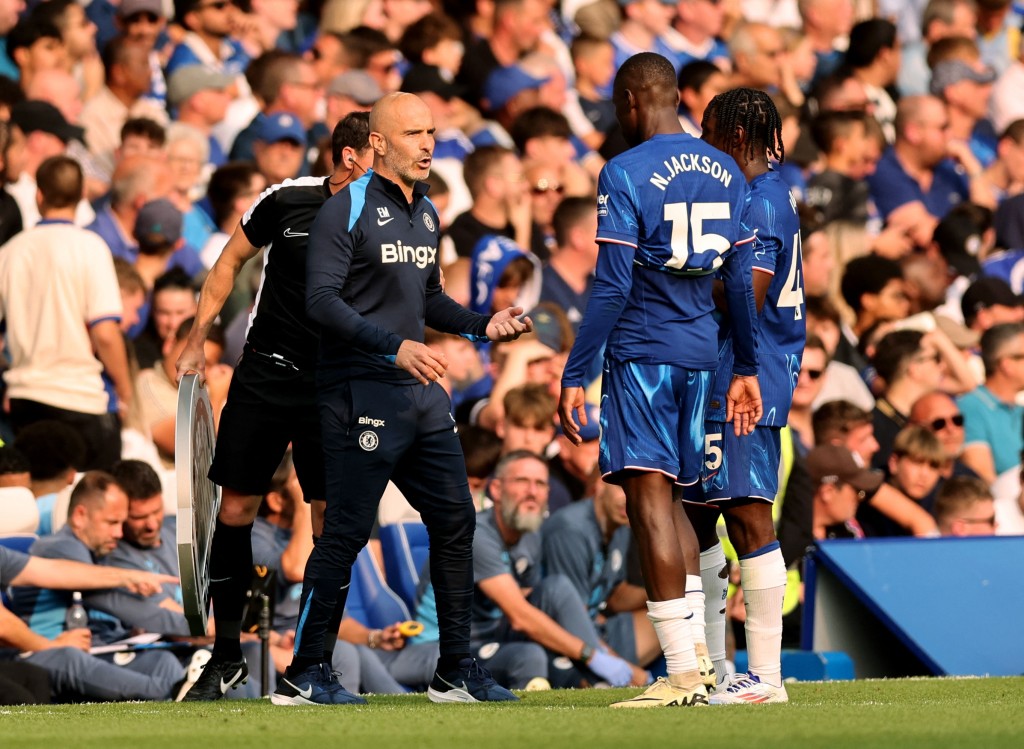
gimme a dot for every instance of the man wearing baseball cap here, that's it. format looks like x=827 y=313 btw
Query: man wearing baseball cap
x=47 y=134
x=280 y=147
x=351 y=91
x=966 y=88
x=201 y=96
x=990 y=301
x=841 y=481
x=158 y=232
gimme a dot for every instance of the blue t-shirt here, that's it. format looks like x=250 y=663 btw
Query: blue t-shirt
x=771 y=212
x=554 y=289
x=234 y=64
x=718 y=51
x=669 y=215
x=269 y=542
x=1009 y=266
x=989 y=421
x=574 y=546
x=892 y=187
x=491 y=557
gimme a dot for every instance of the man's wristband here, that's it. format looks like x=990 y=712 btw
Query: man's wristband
x=587 y=653
x=373 y=639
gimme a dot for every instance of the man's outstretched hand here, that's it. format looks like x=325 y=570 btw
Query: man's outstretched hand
x=743 y=404
x=505 y=325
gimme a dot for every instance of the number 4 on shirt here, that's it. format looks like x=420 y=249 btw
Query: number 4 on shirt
x=792 y=294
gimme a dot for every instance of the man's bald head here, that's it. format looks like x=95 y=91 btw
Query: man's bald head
x=402 y=138
x=925 y=407
x=393 y=109
x=913 y=110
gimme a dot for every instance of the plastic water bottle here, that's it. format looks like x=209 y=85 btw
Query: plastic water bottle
x=76 y=618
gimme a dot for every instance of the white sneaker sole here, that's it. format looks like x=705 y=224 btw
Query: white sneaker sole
x=452 y=695
x=280 y=699
x=751 y=699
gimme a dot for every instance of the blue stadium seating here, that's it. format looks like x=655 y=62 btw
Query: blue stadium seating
x=406 y=549
x=370 y=601
x=19 y=541
x=886 y=602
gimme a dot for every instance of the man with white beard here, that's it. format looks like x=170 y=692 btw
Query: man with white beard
x=512 y=604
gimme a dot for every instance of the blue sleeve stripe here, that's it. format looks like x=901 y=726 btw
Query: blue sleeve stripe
x=475 y=338
x=105 y=318
x=357 y=191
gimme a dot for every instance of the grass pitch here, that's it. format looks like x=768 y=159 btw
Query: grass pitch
x=926 y=713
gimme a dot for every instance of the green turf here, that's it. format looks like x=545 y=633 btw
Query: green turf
x=984 y=713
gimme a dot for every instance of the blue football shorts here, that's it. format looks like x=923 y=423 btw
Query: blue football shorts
x=652 y=419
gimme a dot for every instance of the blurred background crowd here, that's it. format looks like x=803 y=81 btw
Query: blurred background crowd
x=134 y=135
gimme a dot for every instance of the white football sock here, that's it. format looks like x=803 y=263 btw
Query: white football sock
x=714 y=578
x=695 y=600
x=764 y=586
x=671 y=620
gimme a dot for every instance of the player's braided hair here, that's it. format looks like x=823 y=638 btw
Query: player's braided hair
x=755 y=112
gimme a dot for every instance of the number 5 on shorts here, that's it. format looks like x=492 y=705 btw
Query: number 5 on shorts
x=712 y=451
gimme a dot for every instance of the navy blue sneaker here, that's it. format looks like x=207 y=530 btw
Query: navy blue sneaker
x=317 y=685
x=470 y=682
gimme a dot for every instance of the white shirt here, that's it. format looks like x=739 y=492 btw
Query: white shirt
x=1007 y=103
x=55 y=281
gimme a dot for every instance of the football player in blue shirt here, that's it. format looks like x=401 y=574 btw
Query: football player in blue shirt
x=740 y=474
x=668 y=217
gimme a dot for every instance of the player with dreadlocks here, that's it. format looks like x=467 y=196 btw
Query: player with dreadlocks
x=668 y=216
x=740 y=473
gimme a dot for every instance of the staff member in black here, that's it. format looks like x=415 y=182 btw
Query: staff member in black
x=372 y=282
x=272 y=400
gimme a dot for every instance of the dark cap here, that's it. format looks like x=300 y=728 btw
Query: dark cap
x=41 y=116
x=987 y=291
x=834 y=464
x=422 y=78
x=959 y=241
x=948 y=72
x=281 y=126
x=158 y=224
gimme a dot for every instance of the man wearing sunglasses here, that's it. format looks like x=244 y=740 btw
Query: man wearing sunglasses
x=208 y=41
x=938 y=412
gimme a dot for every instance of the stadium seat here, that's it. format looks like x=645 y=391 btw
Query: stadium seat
x=18 y=510
x=406 y=549
x=18 y=541
x=370 y=601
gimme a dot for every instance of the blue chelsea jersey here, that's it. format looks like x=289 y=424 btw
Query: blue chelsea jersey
x=669 y=215
x=771 y=212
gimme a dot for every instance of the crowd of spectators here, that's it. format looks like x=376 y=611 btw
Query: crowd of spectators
x=134 y=134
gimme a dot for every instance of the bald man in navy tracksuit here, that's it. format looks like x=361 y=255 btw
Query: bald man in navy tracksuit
x=373 y=282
